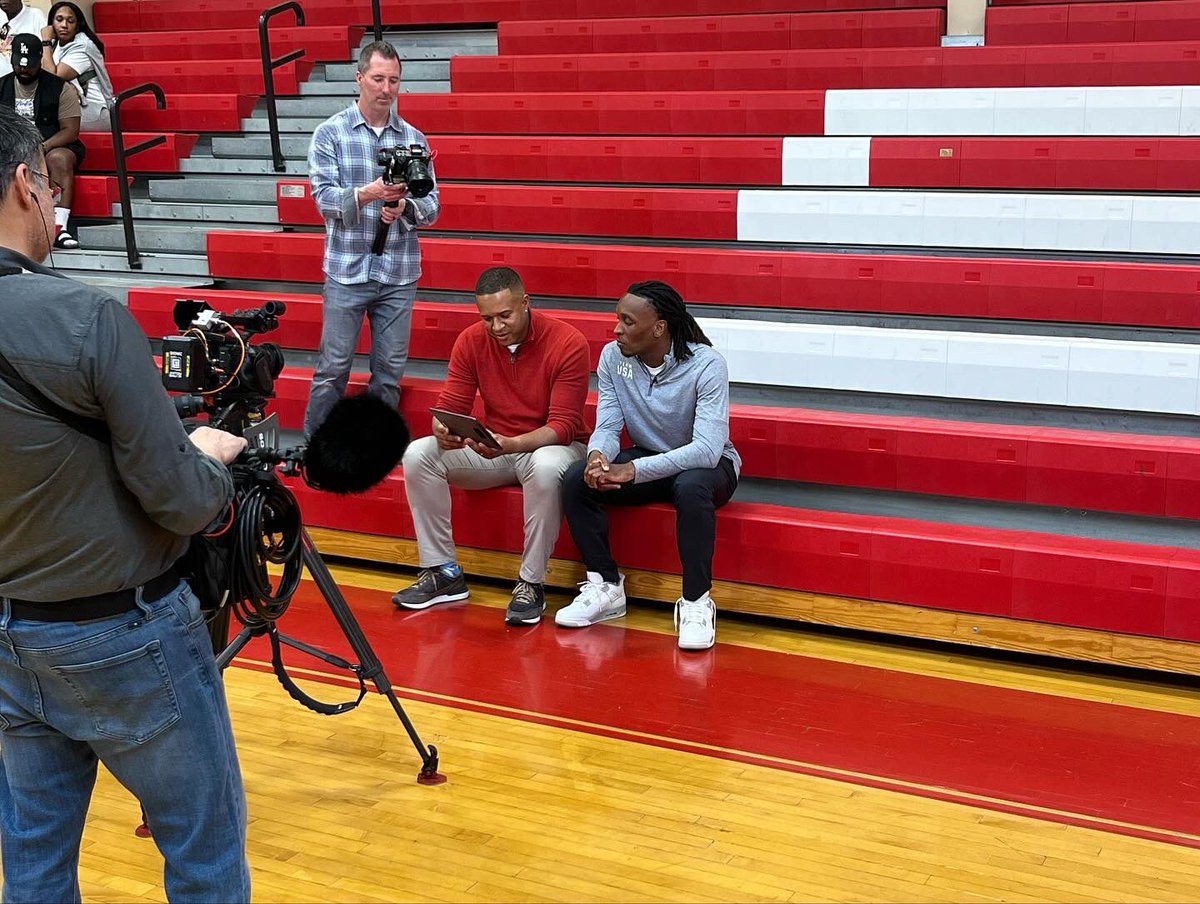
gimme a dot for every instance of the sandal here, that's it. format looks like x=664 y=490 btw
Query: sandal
x=66 y=240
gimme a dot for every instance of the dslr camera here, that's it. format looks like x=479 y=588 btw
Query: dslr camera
x=407 y=164
x=213 y=363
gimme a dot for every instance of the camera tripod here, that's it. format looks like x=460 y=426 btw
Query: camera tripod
x=369 y=668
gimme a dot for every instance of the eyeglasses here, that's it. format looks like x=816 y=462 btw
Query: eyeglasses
x=55 y=189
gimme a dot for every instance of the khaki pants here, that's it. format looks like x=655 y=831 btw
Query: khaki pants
x=429 y=473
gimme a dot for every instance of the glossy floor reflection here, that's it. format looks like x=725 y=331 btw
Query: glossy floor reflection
x=1088 y=759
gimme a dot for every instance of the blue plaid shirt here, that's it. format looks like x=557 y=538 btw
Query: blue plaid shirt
x=341 y=159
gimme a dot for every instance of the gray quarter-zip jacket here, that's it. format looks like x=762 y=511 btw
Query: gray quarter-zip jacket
x=682 y=414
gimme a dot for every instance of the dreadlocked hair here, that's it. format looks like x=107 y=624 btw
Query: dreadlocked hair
x=669 y=306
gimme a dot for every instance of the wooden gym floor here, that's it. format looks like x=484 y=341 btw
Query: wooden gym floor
x=605 y=765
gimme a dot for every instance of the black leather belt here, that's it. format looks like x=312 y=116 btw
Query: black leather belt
x=102 y=605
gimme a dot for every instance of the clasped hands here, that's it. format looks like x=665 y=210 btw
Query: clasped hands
x=602 y=474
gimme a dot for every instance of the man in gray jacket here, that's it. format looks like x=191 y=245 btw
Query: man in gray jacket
x=664 y=384
x=104 y=652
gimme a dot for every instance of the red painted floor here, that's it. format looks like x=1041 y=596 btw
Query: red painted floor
x=1092 y=759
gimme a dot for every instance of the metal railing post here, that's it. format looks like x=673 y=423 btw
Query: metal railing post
x=269 y=66
x=120 y=152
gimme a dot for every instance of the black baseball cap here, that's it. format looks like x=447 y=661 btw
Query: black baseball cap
x=26 y=50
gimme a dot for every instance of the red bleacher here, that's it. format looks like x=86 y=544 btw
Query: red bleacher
x=214 y=76
x=188 y=113
x=163 y=15
x=1070 y=291
x=556 y=158
x=853 y=28
x=324 y=43
x=1098 y=164
x=1082 y=582
x=95 y=195
x=161 y=159
x=1143 y=475
x=554 y=210
x=1079 y=23
x=794 y=70
x=744 y=113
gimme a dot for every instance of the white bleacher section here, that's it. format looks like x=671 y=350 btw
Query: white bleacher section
x=961 y=219
x=827 y=161
x=1047 y=370
x=1043 y=112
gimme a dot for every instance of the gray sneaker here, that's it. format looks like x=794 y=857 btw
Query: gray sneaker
x=527 y=605
x=431 y=587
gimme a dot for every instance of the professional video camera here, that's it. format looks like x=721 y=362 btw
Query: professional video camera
x=409 y=165
x=229 y=381
x=213 y=363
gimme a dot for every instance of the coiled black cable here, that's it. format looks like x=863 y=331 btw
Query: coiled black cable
x=266 y=532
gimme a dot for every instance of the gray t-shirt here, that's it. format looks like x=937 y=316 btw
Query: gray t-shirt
x=79 y=517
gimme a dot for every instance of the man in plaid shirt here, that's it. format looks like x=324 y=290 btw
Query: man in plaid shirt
x=350 y=194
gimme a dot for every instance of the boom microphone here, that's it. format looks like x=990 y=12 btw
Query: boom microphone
x=359 y=444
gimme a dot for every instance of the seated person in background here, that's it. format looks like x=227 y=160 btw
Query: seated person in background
x=662 y=381
x=15 y=19
x=53 y=106
x=71 y=50
x=532 y=373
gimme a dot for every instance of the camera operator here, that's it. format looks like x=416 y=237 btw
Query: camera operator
x=104 y=653
x=353 y=198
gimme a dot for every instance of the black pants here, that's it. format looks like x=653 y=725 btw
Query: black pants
x=696 y=494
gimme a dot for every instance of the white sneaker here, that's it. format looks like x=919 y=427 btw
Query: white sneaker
x=696 y=623
x=597 y=601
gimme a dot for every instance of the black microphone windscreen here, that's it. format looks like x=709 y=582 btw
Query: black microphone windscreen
x=359 y=444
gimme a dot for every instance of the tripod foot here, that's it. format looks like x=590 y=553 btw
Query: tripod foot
x=429 y=774
x=143 y=831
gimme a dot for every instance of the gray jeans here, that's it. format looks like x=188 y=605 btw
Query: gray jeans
x=389 y=310
x=429 y=473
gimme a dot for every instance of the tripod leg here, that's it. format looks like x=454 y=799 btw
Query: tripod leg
x=372 y=668
x=225 y=656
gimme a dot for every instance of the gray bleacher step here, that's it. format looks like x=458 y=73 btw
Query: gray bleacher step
x=309 y=107
x=350 y=89
x=976 y=512
x=232 y=214
x=251 y=189
x=429 y=70
x=96 y=259
x=119 y=286
x=294 y=166
x=293 y=146
x=187 y=238
x=291 y=124
x=405 y=41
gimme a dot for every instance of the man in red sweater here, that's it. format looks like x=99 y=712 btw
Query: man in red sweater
x=532 y=374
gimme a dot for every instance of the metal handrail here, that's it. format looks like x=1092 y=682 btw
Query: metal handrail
x=377 y=20
x=269 y=66
x=120 y=152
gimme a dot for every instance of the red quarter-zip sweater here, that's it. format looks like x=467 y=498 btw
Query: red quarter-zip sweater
x=543 y=383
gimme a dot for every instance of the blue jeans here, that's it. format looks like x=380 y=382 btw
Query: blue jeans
x=389 y=310
x=141 y=693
